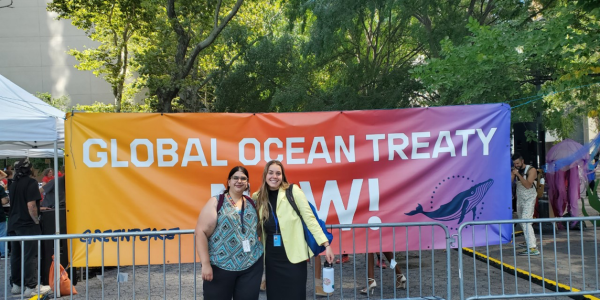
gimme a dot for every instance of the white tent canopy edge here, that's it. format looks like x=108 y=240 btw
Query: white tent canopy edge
x=27 y=122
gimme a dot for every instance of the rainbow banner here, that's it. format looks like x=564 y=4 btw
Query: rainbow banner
x=149 y=172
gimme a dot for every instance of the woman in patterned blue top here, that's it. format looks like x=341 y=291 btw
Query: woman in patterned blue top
x=227 y=242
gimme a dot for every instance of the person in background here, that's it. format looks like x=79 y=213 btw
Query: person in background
x=48 y=175
x=319 y=278
x=61 y=171
x=48 y=189
x=344 y=259
x=3 y=179
x=23 y=220
x=371 y=282
x=592 y=165
x=4 y=200
x=9 y=178
x=282 y=235
x=227 y=242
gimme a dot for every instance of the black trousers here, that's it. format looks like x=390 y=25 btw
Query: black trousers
x=239 y=285
x=30 y=257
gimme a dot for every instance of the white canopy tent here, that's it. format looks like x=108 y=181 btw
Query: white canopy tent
x=27 y=122
x=32 y=153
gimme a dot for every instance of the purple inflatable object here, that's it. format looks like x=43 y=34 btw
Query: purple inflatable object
x=564 y=181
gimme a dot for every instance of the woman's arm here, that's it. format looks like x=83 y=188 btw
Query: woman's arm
x=207 y=221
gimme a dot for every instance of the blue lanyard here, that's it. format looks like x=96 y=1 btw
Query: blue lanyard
x=274 y=218
x=242 y=216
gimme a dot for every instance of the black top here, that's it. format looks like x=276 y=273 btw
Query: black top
x=2 y=195
x=270 y=224
x=23 y=191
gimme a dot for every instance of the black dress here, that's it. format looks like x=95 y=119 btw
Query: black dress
x=285 y=280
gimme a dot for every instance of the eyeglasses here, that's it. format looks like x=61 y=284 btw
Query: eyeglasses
x=242 y=179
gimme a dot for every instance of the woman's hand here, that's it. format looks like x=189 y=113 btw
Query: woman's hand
x=329 y=254
x=207 y=273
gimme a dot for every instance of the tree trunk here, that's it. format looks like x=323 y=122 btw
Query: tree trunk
x=118 y=98
x=165 y=96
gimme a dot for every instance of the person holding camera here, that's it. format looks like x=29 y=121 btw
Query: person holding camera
x=524 y=176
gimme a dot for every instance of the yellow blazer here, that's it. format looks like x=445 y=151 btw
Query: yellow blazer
x=290 y=225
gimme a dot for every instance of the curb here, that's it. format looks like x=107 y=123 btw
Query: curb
x=526 y=275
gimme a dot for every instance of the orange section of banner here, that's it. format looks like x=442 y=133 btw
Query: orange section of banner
x=134 y=172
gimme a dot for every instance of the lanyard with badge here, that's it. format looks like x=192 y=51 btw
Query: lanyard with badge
x=276 y=236
x=246 y=242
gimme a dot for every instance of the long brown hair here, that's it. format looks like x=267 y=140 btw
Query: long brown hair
x=262 y=199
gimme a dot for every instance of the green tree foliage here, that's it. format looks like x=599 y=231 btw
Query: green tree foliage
x=116 y=26
x=340 y=55
x=98 y=107
x=61 y=103
x=267 y=69
x=295 y=55
x=181 y=30
x=256 y=21
x=545 y=49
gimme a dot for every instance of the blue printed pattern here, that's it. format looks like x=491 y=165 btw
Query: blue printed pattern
x=225 y=244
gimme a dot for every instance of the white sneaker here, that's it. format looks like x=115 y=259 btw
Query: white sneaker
x=15 y=289
x=44 y=289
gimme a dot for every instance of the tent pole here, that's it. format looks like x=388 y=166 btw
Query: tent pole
x=56 y=224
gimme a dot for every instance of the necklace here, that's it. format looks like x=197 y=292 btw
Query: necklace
x=233 y=203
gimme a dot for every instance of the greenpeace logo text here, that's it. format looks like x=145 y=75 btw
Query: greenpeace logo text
x=142 y=238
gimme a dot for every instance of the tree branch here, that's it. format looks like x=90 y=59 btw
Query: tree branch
x=481 y=7
x=217 y=11
x=490 y=5
x=211 y=37
x=471 y=7
x=114 y=32
x=536 y=13
x=173 y=18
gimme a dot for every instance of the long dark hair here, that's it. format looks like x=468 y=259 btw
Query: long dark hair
x=233 y=171
x=262 y=203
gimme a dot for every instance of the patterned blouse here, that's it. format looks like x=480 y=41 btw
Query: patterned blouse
x=225 y=247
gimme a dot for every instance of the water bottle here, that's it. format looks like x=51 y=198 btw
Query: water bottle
x=327 y=277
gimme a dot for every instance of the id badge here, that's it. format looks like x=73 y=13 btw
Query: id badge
x=277 y=240
x=246 y=245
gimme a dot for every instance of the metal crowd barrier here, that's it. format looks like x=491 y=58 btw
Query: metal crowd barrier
x=100 y=291
x=567 y=264
x=412 y=263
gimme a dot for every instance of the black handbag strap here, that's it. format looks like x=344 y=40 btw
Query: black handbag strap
x=289 y=194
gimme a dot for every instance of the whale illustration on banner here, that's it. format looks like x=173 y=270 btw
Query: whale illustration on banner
x=463 y=203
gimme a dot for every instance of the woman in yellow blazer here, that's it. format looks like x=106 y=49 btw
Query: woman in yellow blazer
x=282 y=235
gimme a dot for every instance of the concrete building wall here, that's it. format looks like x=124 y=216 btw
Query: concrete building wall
x=33 y=53
x=590 y=129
